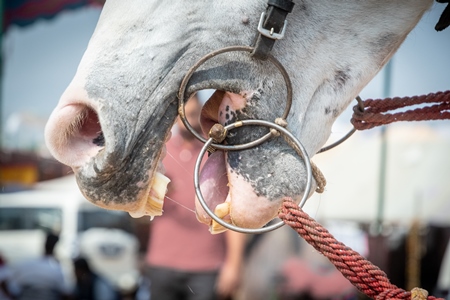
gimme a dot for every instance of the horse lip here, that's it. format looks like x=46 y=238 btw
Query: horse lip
x=119 y=177
x=119 y=189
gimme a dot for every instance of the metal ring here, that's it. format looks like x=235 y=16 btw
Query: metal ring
x=286 y=133
x=191 y=71
x=349 y=134
x=338 y=142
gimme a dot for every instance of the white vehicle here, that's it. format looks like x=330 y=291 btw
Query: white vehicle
x=101 y=236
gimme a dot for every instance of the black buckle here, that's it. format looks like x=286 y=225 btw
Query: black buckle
x=271 y=27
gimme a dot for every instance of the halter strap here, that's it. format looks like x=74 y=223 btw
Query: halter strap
x=271 y=26
x=444 y=20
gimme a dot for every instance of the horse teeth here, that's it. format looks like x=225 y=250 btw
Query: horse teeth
x=222 y=211
x=155 y=201
x=159 y=186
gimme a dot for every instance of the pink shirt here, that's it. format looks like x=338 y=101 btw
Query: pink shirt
x=177 y=239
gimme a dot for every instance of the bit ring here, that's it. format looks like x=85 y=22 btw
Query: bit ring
x=187 y=77
x=301 y=151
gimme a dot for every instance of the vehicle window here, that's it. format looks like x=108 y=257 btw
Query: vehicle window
x=105 y=219
x=15 y=218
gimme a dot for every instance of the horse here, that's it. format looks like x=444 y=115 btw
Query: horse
x=113 y=119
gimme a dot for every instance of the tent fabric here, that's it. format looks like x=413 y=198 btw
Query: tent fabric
x=416 y=181
x=26 y=12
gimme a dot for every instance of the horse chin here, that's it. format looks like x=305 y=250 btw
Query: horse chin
x=231 y=198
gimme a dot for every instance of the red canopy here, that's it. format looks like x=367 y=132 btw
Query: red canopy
x=26 y=12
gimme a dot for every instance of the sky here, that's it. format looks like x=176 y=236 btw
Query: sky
x=40 y=61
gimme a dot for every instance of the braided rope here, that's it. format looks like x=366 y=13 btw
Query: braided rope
x=375 y=111
x=365 y=276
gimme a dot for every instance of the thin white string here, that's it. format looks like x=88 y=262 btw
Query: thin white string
x=179 y=163
x=187 y=172
x=191 y=210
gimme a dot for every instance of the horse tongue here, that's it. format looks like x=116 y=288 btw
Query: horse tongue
x=213 y=185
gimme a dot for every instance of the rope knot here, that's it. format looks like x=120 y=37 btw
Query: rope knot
x=281 y=122
x=419 y=294
x=218 y=133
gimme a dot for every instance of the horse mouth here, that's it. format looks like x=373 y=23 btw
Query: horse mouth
x=226 y=192
x=219 y=186
x=214 y=183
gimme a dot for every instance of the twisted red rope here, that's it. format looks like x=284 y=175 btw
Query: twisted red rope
x=375 y=111
x=365 y=276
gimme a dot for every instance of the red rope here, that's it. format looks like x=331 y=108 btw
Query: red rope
x=375 y=111
x=367 y=277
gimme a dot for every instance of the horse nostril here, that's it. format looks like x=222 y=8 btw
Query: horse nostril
x=99 y=140
x=87 y=126
x=74 y=135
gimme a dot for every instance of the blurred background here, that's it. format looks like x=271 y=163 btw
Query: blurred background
x=387 y=196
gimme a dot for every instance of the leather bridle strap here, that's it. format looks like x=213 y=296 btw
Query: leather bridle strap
x=271 y=26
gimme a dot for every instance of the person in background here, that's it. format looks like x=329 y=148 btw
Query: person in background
x=5 y=276
x=184 y=260
x=41 y=278
x=90 y=286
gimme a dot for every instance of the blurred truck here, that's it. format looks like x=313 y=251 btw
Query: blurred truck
x=104 y=237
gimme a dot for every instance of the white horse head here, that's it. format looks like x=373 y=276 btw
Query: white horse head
x=112 y=121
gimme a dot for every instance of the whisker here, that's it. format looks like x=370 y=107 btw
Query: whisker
x=179 y=163
x=180 y=204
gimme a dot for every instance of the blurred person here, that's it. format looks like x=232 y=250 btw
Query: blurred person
x=5 y=277
x=184 y=260
x=89 y=285
x=143 y=289
x=301 y=279
x=41 y=278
